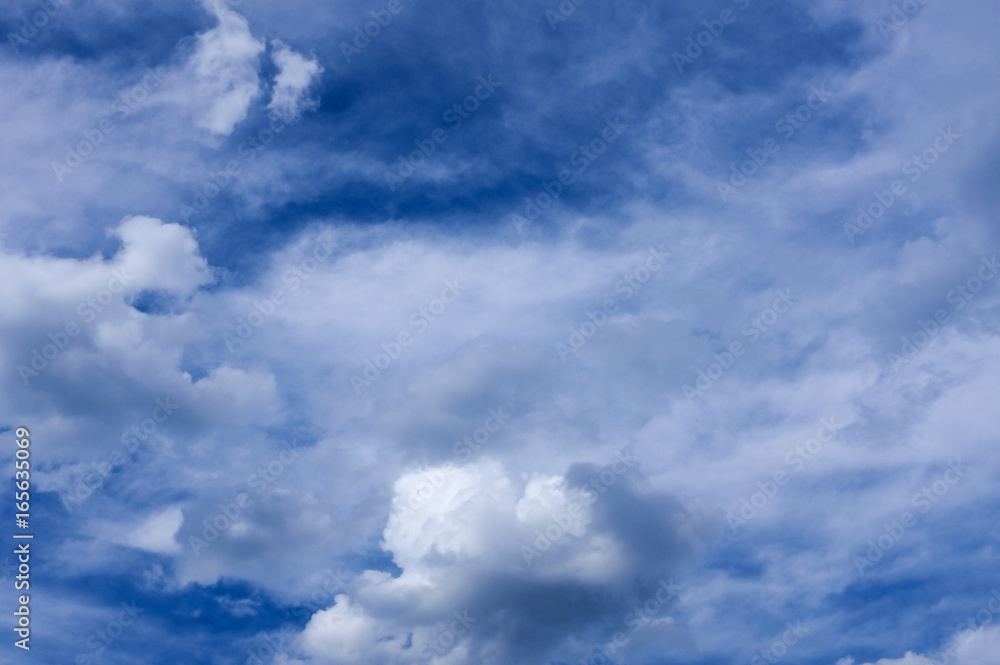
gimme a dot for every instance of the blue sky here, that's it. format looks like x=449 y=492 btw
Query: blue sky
x=511 y=333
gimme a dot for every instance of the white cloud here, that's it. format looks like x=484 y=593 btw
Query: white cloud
x=161 y=256
x=345 y=634
x=463 y=535
x=153 y=533
x=969 y=647
x=225 y=68
x=295 y=74
x=156 y=534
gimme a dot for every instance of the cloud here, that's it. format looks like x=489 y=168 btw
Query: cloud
x=295 y=75
x=161 y=256
x=438 y=542
x=156 y=534
x=969 y=647
x=482 y=553
x=224 y=68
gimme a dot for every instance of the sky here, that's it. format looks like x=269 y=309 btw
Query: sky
x=382 y=332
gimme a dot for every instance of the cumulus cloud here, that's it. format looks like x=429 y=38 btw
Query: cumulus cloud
x=296 y=74
x=483 y=552
x=161 y=256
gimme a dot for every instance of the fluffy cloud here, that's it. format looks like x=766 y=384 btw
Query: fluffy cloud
x=482 y=553
x=296 y=74
x=161 y=256
x=225 y=69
